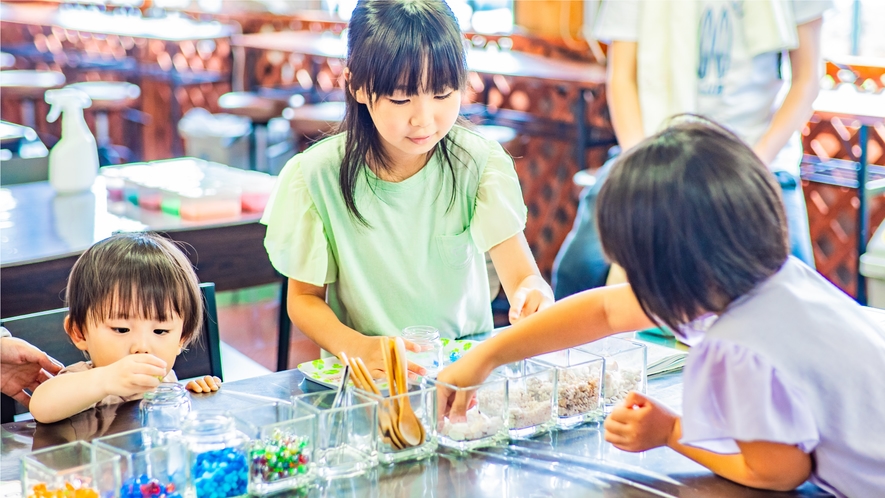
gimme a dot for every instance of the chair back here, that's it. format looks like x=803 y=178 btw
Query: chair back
x=45 y=330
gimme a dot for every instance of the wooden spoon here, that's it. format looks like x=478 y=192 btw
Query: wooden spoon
x=360 y=374
x=409 y=425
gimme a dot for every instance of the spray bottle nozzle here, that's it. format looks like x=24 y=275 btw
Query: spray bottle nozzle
x=64 y=99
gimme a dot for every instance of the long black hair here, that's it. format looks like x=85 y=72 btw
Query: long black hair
x=695 y=219
x=414 y=46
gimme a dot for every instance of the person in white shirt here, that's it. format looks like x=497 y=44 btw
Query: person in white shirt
x=722 y=60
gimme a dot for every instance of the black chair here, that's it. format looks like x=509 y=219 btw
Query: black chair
x=46 y=331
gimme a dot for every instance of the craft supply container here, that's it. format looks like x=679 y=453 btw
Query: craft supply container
x=166 y=407
x=152 y=464
x=530 y=392
x=281 y=446
x=77 y=469
x=431 y=355
x=625 y=367
x=422 y=399
x=485 y=424
x=579 y=378
x=217 y=455
x=346 y=443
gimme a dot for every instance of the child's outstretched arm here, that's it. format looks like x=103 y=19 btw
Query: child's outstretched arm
x=642 y=424
x=575 y=320
x=312 y=315
x=525 y=288
x=71 y=393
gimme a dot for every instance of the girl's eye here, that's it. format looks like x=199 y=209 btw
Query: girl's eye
x=120 y=330
x=444 y=97
x=161 y=331
x=399 y=102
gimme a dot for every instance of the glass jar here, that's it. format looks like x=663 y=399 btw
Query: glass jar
x=166 y=407
x=216 y=455
x=427 y=339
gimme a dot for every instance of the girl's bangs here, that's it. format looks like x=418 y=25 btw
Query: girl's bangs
x=420 y=64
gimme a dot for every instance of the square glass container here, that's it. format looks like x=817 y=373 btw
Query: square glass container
x=530 y=392
x=422 y=399
x=281 y=447
x=625 y=367
x=151 y=462
x=579 y=379
x=347 y=436
x=485 y=424
x=74 y=469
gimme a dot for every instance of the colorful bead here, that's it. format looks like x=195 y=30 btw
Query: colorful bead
x=69 y=491
x=144 y=486
x=279 y=456
x=220 y=473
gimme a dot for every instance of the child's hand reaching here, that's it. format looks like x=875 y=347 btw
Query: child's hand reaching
x=133 y=374
x=369 y=350
x=206 y=384
x=533 y=294
x=639 y=424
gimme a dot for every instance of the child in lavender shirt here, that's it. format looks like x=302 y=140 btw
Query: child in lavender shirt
x=782 y=387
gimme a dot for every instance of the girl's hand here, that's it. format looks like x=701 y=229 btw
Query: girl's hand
x=204 y=385
x=369 y=349
x=470 y=370
x=533 y=294
x=639 y=424
x=134 y=374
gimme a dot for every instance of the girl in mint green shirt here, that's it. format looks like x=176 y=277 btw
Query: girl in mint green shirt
x=385 y=225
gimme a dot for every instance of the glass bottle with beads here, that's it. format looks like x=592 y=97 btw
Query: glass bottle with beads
x=166 y=407
x=152 y=464
x=430 y=355
x=281 y=446
x=217 y=455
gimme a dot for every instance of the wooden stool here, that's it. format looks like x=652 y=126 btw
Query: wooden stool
x=29 y=86
x=311 y=121
x=107 y=96
x=260 y=110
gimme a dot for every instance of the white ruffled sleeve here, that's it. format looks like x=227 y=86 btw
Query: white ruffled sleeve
x=500 y=210
x=733 y=394
x=296 y=241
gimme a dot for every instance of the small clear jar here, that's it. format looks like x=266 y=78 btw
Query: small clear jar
x=427 y=339
x=217 y=453
x=165 y=408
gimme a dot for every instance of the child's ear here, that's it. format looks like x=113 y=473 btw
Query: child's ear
x=359 y=95
x=75 y=334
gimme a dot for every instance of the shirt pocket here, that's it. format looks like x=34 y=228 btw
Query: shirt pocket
x=457 y=251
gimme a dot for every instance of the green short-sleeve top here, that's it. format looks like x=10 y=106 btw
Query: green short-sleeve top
x=420 y=262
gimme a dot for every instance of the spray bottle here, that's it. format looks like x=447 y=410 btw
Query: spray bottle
x=73 y=162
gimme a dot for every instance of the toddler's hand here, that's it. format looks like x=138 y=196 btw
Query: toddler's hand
x=204 y=385
x=531 y=296
x=639 y=424
x=134 y=374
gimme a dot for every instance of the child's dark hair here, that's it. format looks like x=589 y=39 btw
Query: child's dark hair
x=135 y=275
x=410 y=45
x=695 y=219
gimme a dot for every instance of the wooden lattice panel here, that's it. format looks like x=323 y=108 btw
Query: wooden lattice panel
x=174 y=76
x=833 y=206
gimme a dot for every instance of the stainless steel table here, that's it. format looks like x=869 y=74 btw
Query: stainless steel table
x=575 y=463
x=42 y=234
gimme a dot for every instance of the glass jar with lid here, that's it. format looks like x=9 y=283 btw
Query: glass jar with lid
x=216 y=455
x=166 y=407
x=428 y=341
